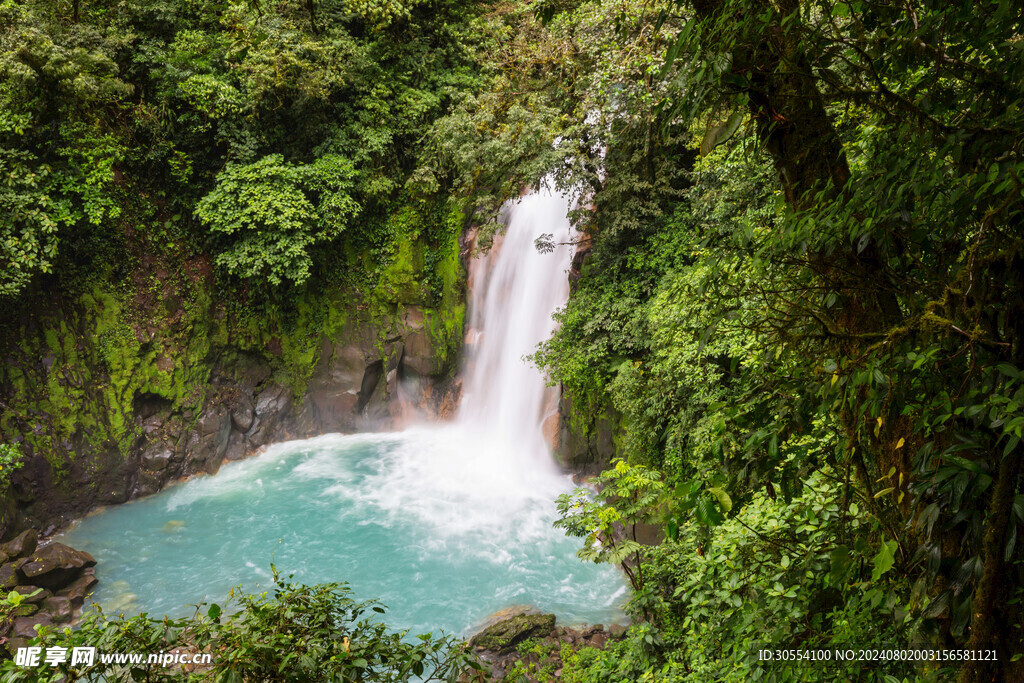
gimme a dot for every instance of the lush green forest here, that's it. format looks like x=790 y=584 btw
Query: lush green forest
x=798 y=297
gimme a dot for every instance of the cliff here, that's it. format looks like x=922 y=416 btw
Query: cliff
x=113 y=392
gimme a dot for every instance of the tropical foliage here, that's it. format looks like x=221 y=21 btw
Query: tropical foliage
x=294 y=632
x=804 y=285
x=273 y=212
x=274 y=136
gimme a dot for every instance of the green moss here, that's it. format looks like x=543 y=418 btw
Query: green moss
x=161 y=337
x=445 y=329
x=449 y=270
x=400 y=281
x=507 y=634
x=300 y=342
x=94 y=366
x=402 y=270
x=445 y=321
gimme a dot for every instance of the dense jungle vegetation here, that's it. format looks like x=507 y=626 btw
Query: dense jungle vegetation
x=800 y=287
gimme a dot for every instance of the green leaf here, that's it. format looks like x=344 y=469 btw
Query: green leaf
x=840 y=563
x=721 y=132
x=966 y=464
x=1009 y=370
x=884 y=560
x=724 y=501
x=707 y=512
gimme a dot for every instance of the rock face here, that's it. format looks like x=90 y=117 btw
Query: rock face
x=53 y=581
x=584 y=446
x=364 y=375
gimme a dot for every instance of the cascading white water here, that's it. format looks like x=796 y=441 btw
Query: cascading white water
x=516 y=290
x=491 y=470
x=444 y=523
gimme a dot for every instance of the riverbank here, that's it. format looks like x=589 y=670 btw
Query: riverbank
x=525 y=645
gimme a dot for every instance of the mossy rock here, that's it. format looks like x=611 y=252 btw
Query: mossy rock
x=8 y=576
x=33 y=594
x=54 y=566
x=26 y=609
x=505 y=635
x=22 y=545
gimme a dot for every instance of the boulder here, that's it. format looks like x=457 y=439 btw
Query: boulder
x=344 y=365
x=335 y=409
x=271 y=400
x=272 y=407
x=33 y=594
x=420 y=356
x=22 y=545
x=54 y=566
x=80 y=588
x=157 y=459
x=242 y=413
x=507 y=613
x=152 y=426
x=148 y=482
x=114 y=492
x=25 y=627
x=212 y=421
x=59 y=608
x=8 y=576
x=505 y=635
x=206 y=444
x=237 y=447
x=25 y=609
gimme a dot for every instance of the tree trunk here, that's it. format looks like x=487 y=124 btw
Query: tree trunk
x=789 y=111
x=311 y=8
x=986 y=609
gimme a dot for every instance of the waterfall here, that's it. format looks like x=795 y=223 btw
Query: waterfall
x=489 y=473
x=515 y=290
